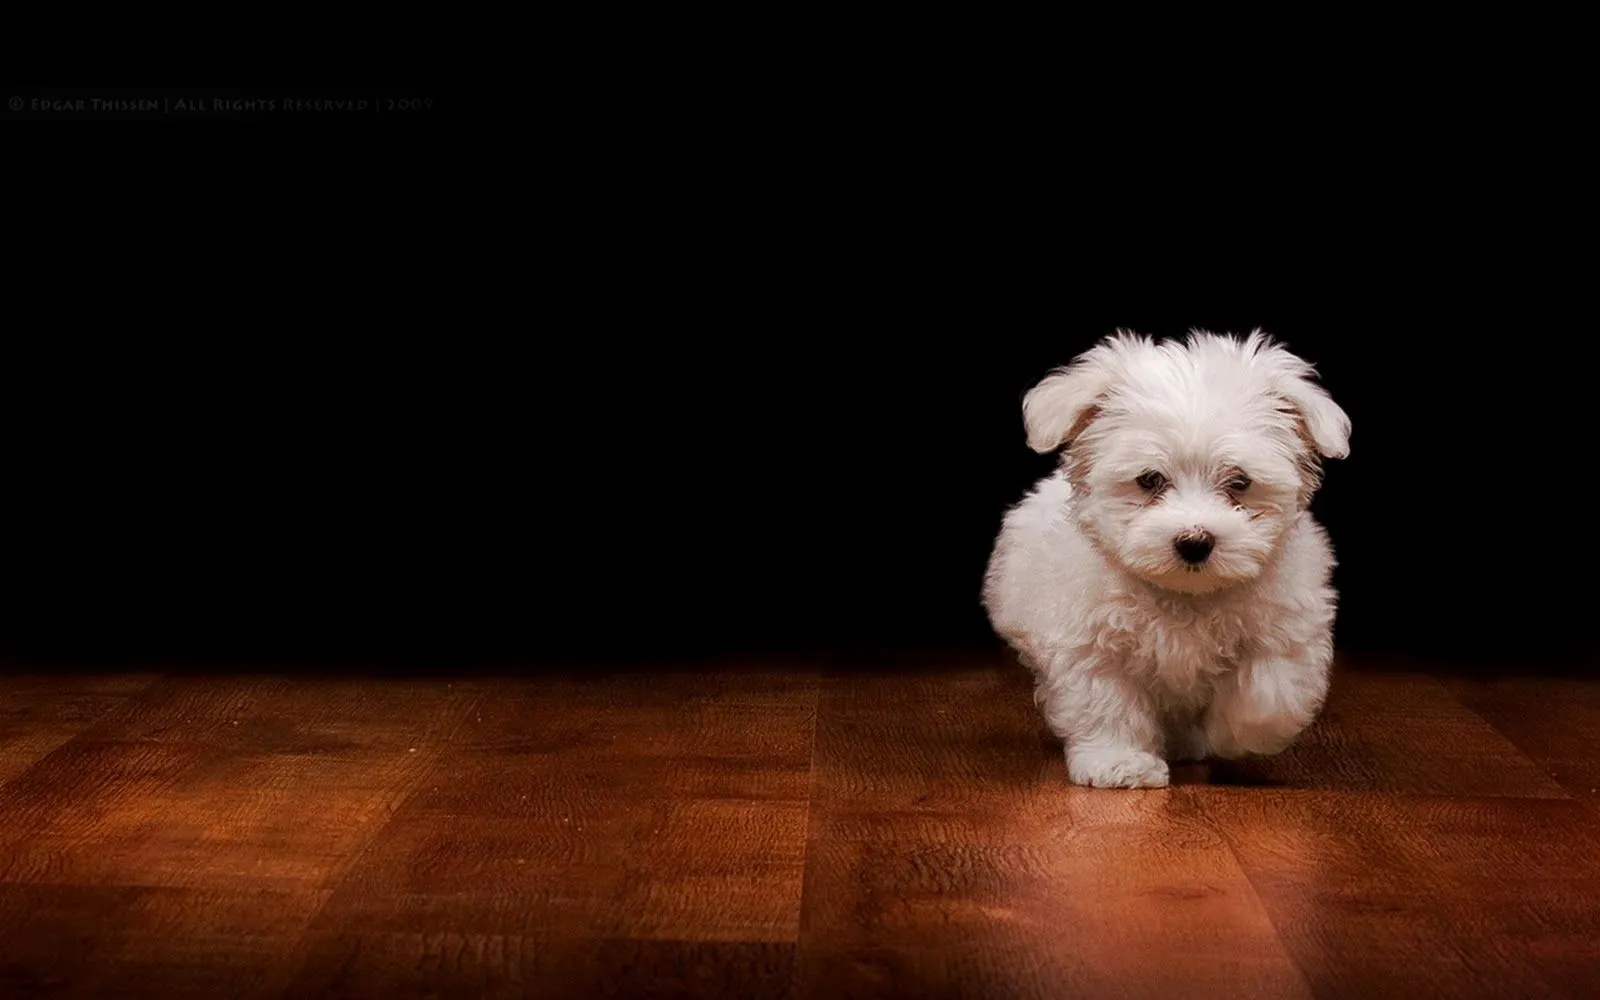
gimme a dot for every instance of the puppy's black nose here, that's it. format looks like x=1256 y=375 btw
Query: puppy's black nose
x=1195 y=547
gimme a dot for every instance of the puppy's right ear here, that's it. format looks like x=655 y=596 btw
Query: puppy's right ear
x=1058 y=409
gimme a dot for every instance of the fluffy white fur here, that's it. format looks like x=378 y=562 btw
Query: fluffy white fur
x=1140 y=656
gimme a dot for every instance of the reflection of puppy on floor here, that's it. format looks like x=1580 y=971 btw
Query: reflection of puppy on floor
x=1166 y=585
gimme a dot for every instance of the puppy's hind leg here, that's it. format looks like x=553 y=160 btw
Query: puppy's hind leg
x=1112 y=736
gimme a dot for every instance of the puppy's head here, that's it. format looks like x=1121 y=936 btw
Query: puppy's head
x=1189 y=460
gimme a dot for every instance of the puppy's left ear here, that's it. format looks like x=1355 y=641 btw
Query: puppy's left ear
x=1325 y=421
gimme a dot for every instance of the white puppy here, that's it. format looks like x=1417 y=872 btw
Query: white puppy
x=1166 y=585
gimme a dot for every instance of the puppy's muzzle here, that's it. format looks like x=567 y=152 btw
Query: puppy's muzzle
x=1194 y=547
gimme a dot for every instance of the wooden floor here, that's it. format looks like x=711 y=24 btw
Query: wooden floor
x=810 y=833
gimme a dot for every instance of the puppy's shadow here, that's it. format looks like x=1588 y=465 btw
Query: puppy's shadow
x=1226 y=774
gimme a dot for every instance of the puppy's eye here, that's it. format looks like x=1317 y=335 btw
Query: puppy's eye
x=1151 y=481
x=1238 y=484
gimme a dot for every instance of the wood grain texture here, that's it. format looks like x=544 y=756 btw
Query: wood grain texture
x=1555 y=722
x=639 y=818
x=950 y=858
x=903 y=831
x=39 y=713
x=1396 y=732
x=234 y=803
x=1425 y=896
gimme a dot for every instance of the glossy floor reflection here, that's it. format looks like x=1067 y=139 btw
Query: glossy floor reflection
x=755 y=832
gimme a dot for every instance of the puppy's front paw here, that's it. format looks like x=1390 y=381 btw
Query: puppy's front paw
x=1264 y=706
x=1245 y=735
x=1253 y=738
x=1116 y=769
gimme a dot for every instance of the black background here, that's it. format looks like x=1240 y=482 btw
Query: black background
x=681 y=369
x=464 y=501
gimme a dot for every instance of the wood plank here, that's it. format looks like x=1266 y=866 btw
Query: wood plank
x=658 y=820
x=1423 y=896
x=139 y=941
x=950 y=857
x=1396 y=732
x=234 y=802
x=1554 y=721
x=40 y=712
x=225 y=782
x=449 y=964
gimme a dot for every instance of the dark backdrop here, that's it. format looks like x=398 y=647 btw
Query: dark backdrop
x=744 y=374
x=784 y=494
